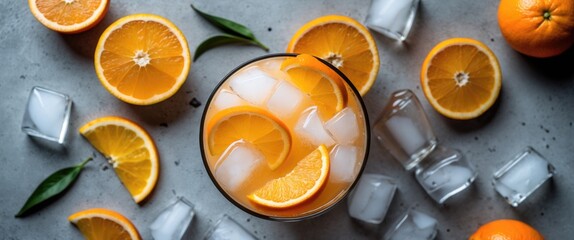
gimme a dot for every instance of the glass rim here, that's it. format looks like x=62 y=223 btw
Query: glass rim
x=250 y=211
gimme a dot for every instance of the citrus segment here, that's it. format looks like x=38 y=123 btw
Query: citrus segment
x=254 y=125
x=142 y=59
x=506 y=229
x=302 y=183
x=129 y=149
x=69 y=16
x=100 y=224
x=325 y=87
x=461 y=78
x=343 y=42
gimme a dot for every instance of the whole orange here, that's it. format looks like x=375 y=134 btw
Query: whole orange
x=537 y=28
x=506 y=229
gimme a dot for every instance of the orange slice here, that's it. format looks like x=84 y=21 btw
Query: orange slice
x=69 y=16
x=129 y=149
x=142 y=59
x=343 y=42
x=101 y=224
x=302 y=183
x=325 y=87
x=461 y=78
x=254 y=125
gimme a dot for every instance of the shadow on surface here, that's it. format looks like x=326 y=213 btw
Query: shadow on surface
x=558 y=68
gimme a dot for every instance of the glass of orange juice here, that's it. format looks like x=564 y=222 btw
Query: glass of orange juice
x=285 y=136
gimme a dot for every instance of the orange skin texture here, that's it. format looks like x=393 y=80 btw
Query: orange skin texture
x=525 y=28
x=506 y=229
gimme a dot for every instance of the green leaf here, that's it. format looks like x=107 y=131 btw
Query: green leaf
x=226 y=25
x=219 y=40
x=52 y=186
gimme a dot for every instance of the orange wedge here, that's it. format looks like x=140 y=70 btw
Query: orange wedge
x=325 y=87
x=302 y=183
x=461 y=78
x=254 y=125
x=69 y=16
x=142 y=59
x=129 y=149
x=102 y=224
x=343 y=42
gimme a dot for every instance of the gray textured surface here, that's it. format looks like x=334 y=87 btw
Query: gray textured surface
x=535 y=108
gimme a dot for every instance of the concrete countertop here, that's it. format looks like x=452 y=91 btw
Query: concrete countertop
x=536 y=108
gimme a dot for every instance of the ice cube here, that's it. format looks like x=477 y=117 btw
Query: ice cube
x=370 y=199
x=392 y=18
x=413 y=225
x=285 y=99
x=47 y=114
x=228 y=229
x=310 y=127
x=522 y=176
x=406 y=133
x=343 y=163
x=253 y=84
x=226 y=99
x=444 y=173
x=173 y=221
x=344 y=126
x=236 y=164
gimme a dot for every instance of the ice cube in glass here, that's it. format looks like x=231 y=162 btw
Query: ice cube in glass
x=344 y=127
x=47 y=115
x=253 y=84
x=311 y=128
x=343 y=163
x=521 y=176
x=392 y=18
x=227 y=99
x=228 y=229
x=413 y=225
x=173 y=221
x=444 y=173
x=237 y=163
x=285 y=100
x=370 y=199
x=404 y=130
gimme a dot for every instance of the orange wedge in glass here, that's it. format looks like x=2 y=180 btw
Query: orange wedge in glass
x=251 y=124
x=461 y=78
x=100 y=224
x=302 y=183
x=129 y=149
x=142 y=59
x=343 y=42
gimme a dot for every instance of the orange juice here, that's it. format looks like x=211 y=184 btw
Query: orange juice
x=240 y=165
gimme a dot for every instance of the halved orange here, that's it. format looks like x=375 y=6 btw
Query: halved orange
x=142 y=59
x=506 y=229
x=325 y=87
x=69 y=16
x=302 y=183
x=461 y=78
x=102 y=224
x=129 y=149
x=257 y=126
x=343 y=42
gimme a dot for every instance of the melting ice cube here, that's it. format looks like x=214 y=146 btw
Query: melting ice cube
x=370 y=199
x=344 y=126
x=285 y=100
x=253 y=84
x=311 y=128
x=236 y=164
x=172 y=222
x=228 y=229
x=226 y=99
x=414 y=225
x=343 y=163
x=521 y=176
